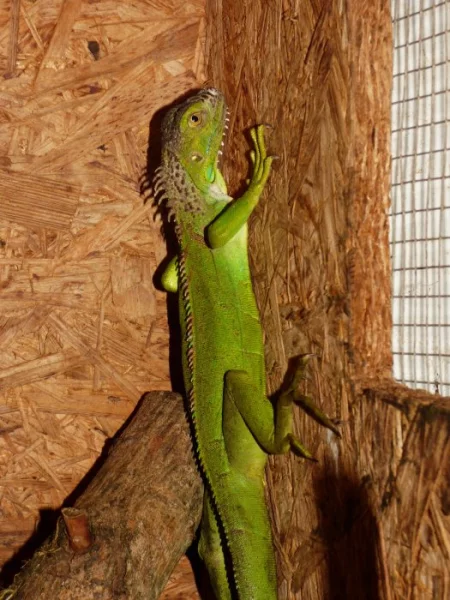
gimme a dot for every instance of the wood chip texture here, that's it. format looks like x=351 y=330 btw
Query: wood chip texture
x=124 y=536
x=83 y=331
x=371 y=519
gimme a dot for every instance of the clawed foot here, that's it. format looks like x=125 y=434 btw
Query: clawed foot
x=298 y=448
x=296 y=373
x=260 y=161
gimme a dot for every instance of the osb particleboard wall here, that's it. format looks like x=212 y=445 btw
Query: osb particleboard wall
x=370 y=519
x=83 y=332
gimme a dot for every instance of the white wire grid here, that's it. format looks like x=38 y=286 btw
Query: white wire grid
x=420 y=212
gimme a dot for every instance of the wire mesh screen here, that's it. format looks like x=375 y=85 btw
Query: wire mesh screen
x=420 y=213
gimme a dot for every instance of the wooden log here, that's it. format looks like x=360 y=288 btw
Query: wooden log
x=137 y=516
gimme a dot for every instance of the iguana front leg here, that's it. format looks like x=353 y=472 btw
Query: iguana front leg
x=169 y=278
x=236 y=214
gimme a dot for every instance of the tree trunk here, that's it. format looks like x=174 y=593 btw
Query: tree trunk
x=132 y=523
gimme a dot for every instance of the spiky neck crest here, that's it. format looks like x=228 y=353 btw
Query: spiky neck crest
x=192 y=135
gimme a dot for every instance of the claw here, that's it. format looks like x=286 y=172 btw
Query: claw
x=316 y=413
x=297 y=368
x=299 y=448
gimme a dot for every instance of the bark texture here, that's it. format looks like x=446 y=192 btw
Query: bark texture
x=133 y=522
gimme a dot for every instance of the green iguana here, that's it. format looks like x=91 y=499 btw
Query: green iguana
x=235 y=424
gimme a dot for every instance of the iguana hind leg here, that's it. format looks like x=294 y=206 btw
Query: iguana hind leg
x=296 y=372
x=272 y=426
x=274 y=435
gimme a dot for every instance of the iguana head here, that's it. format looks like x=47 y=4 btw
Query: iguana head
x=192 y=136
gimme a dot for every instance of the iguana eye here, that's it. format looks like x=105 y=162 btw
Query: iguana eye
x=196 y=157
x=196 y=119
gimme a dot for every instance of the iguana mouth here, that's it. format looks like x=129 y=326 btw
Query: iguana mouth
x=215 y=96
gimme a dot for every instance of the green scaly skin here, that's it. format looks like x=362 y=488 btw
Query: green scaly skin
x=235 y=425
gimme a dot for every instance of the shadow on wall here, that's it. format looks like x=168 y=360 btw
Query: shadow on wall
x=349 y=532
